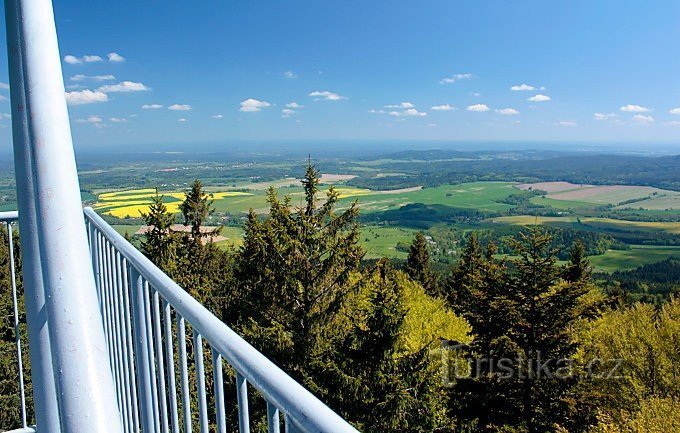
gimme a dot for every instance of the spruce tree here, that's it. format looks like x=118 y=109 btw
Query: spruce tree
x=366 y=378
x=418 y=265
x=293 y=272
x=578 y=266
x=526 y=317
x=161 y=242
x=196 y=208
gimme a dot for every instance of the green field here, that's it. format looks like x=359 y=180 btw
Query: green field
x=638 y=255
x=592 y=222
x=476 y=195
x=381 y=241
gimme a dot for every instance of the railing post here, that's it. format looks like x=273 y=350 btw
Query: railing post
x=44 y=391
x=142 y=352
x=86 y=394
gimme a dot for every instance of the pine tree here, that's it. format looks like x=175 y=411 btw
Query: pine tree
x=196 y=208
x=526 y=317
x=293 y=272
x=366 y=378
x=418 y=265
x=578 y=266
x=161 y=242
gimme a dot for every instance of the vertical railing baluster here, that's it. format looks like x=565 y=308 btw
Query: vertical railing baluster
x=152 y=356
x=17 y=330
x=170 y=363
x=218 y=383
x=200 y=383
x=184 y=373
x=113 y=346
x=242 y=401
x=141 y=352
x=118 y=335
x=273 y=422
x=161 y=367
x=129 y=343
x=290 y=425
x=122 y=338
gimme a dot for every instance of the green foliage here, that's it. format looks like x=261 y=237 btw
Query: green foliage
x=646 y=341
x=196 y=208
x=293 y=272
x=418 y=264
x=368 y=378
x=524 y=316
x=161 y=242
x=10 y=402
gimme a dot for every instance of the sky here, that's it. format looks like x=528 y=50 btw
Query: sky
x=141 y=72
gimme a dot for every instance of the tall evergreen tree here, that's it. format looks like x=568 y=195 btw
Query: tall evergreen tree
x=196 y=208
x=418 y=265
x=161 y=242
x=366 y=378
x=524 y=317
x=293 y=272
x=578 y=266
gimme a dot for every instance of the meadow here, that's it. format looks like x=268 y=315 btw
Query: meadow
x=381 y=240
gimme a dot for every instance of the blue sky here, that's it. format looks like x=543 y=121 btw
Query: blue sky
x=591 y=71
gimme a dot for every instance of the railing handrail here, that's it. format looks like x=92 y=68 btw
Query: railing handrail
x=306 y=411
x=9 y=216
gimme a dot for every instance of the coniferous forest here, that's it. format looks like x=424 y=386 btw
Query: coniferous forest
x=526 y=343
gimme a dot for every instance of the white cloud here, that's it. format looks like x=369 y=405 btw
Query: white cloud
x=673 y=123
x=90 y=119
x=124 y=87
x=151 y=106
x=373 y=111
x=251 y=105
x=604 y=116
x=179 y=107
x=566 y=123
x=287 y=112
x=443 y=107
x=478 y=107
x=539 y=98
x=325 y=95
x=4 y=85
x=92 y=59
x=522 y=88
x=72 y=60
x=294 y=105
x=81 y=97
x=290 y=75
x=410 y=112
x=3 y=98
x=641 y=118
x=182 y=120
x=507 y=111
x=81 y=77
x=401 y=105
x=217 y=116
x=456 y=77
x=674 y=111
x=118 y=120
x=115 y=57
x=632 y=108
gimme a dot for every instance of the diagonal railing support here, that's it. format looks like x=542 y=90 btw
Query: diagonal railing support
x=86 y=398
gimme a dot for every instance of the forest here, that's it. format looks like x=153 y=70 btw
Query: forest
x=526 y=341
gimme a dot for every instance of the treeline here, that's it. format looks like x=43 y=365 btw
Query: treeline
x=494 y=346
x=652 y=283
x=429 y=170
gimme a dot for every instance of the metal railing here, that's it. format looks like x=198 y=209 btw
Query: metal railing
x=146 y=315
x=108 y=339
